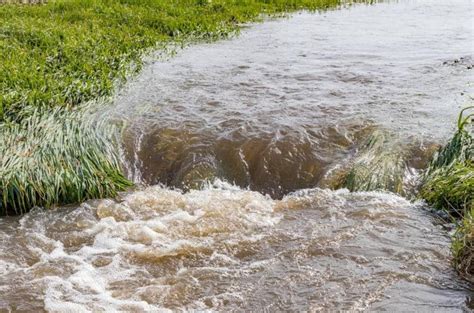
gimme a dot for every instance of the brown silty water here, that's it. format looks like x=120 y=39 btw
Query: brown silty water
x=252 y=130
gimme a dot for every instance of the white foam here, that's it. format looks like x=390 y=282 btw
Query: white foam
x=200 y=233
x=152 y=223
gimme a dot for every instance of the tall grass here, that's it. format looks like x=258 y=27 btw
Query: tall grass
x=448 y=185
x=449 y=181
x=56 y=157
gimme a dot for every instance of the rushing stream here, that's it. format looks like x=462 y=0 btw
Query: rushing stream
x=253 y=130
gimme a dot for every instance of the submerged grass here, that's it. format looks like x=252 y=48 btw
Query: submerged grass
x=379 y=164
x=448 y=185
x=71 y=51
x=56 y=157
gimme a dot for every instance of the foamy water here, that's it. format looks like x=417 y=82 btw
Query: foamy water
x=227 y=249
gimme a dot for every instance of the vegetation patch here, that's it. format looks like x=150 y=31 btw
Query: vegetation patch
x=57 y=157
x=380 y=164
x=448 y=185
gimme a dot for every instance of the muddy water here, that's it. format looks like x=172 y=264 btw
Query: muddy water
x=258 y=124
x=227 y=249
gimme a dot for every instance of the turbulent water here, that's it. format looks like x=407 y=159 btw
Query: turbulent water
x=227 y=249
x=260 y=124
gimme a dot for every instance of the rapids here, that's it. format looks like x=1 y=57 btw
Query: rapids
x=223 y=248
x=289 y=101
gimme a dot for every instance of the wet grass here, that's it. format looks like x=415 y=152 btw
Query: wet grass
x=71 y=51
x=57 y=157
x=379 y=165
x=448 y=185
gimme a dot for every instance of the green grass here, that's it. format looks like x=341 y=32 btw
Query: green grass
x=449 y=181
x=57 y=157
x=463 y=246
x=71 y=51
x=448 y=185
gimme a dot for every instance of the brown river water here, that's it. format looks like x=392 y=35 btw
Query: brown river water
x=237 y=142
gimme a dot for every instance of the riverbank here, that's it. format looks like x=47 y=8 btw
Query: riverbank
x=448 y=186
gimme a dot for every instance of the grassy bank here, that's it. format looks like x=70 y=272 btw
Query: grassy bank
x=71 y=51
x=449 y=186
x=58 y=56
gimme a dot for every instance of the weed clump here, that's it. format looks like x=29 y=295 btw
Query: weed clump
x=56 y=157
x=448 y=185
x=379 y=165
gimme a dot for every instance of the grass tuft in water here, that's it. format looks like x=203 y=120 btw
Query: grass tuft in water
x=448 y=185
x=56 y=157
x=379 y=164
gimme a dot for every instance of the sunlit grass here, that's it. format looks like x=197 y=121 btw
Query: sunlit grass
x=71 y=51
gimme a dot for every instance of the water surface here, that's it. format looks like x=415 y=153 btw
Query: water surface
x=253 y=128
